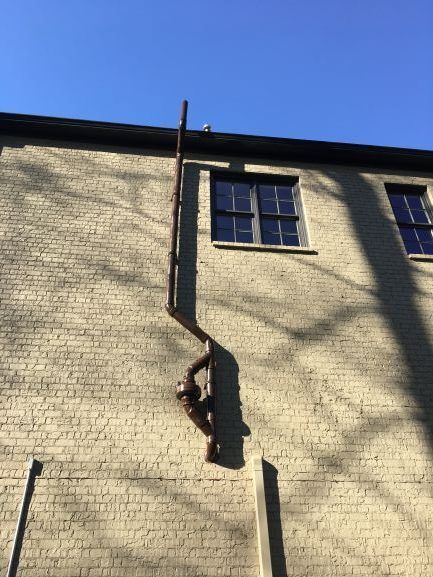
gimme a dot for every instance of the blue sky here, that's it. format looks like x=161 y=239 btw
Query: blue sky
x=340 y=70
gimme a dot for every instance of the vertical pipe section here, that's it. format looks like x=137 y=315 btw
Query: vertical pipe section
x=261 y=517
x=187 y=391
x=175 y=205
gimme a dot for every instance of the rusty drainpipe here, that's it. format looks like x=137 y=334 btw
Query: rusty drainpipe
x=187 y=391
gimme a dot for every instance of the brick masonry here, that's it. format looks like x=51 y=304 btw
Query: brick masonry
x=324 y=365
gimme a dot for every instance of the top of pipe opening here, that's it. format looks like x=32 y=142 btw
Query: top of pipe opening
x=183 y=112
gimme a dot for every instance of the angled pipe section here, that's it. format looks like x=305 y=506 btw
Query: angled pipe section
x=187 y=391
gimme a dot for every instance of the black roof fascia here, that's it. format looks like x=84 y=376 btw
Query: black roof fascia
x=214 y=143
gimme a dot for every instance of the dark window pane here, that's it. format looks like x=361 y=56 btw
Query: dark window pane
x=287 y=207
x=412 y=247
x=223 y=188
x=243 y=204
x=244 y=236
x=414 y=202
x=266 y=192
x=270 y=225
x=269 y=206
x=243 y=223
x=227 y=235
x=289 y=226
x=285 y=192
x=225 y=222
x=269 y=238
x=419 y=216
x=428 y=248
x=402 y=215
x=290 y=240
x=424 y=234
x=408 y=233
x=224 y=203
x=397 y=200
x=242 y=189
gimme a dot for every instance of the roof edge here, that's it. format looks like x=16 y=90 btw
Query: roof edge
x=215 y=143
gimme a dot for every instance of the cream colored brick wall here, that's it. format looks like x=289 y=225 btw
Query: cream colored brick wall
x=324 y=365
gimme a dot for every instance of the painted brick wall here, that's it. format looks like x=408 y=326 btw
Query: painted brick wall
x=324 y=365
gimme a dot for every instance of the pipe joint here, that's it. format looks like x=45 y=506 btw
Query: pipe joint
x=171 y=309
x=212 y=453
x=196 y=366
x=188 y=388
x=209 y=346
x=196 y=417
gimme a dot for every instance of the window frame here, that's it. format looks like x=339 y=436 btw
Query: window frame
x=257 y=215
x=415 y=190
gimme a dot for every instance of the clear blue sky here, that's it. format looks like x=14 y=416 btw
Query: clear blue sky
x=341 y=70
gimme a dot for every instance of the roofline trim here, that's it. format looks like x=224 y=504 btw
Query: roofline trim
x=215 y=143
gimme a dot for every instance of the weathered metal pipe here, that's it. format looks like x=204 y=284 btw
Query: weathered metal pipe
x=187 y=391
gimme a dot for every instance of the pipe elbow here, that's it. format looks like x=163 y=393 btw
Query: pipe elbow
x=171 y=309
x=199 y=421
x=211 y=454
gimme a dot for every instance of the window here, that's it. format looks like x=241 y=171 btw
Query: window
x=412 y=212
x=257 y=209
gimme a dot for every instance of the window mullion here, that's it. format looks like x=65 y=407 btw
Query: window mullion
x=302 y=230
x=257 y=233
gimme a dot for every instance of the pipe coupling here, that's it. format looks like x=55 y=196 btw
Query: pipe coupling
x=212 y=453
x=188 y=388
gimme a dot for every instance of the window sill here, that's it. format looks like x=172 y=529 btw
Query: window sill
x=263 y=247
x=424 y=257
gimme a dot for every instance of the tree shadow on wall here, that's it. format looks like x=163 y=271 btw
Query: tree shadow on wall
x=396 y=289
x=230 y=427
